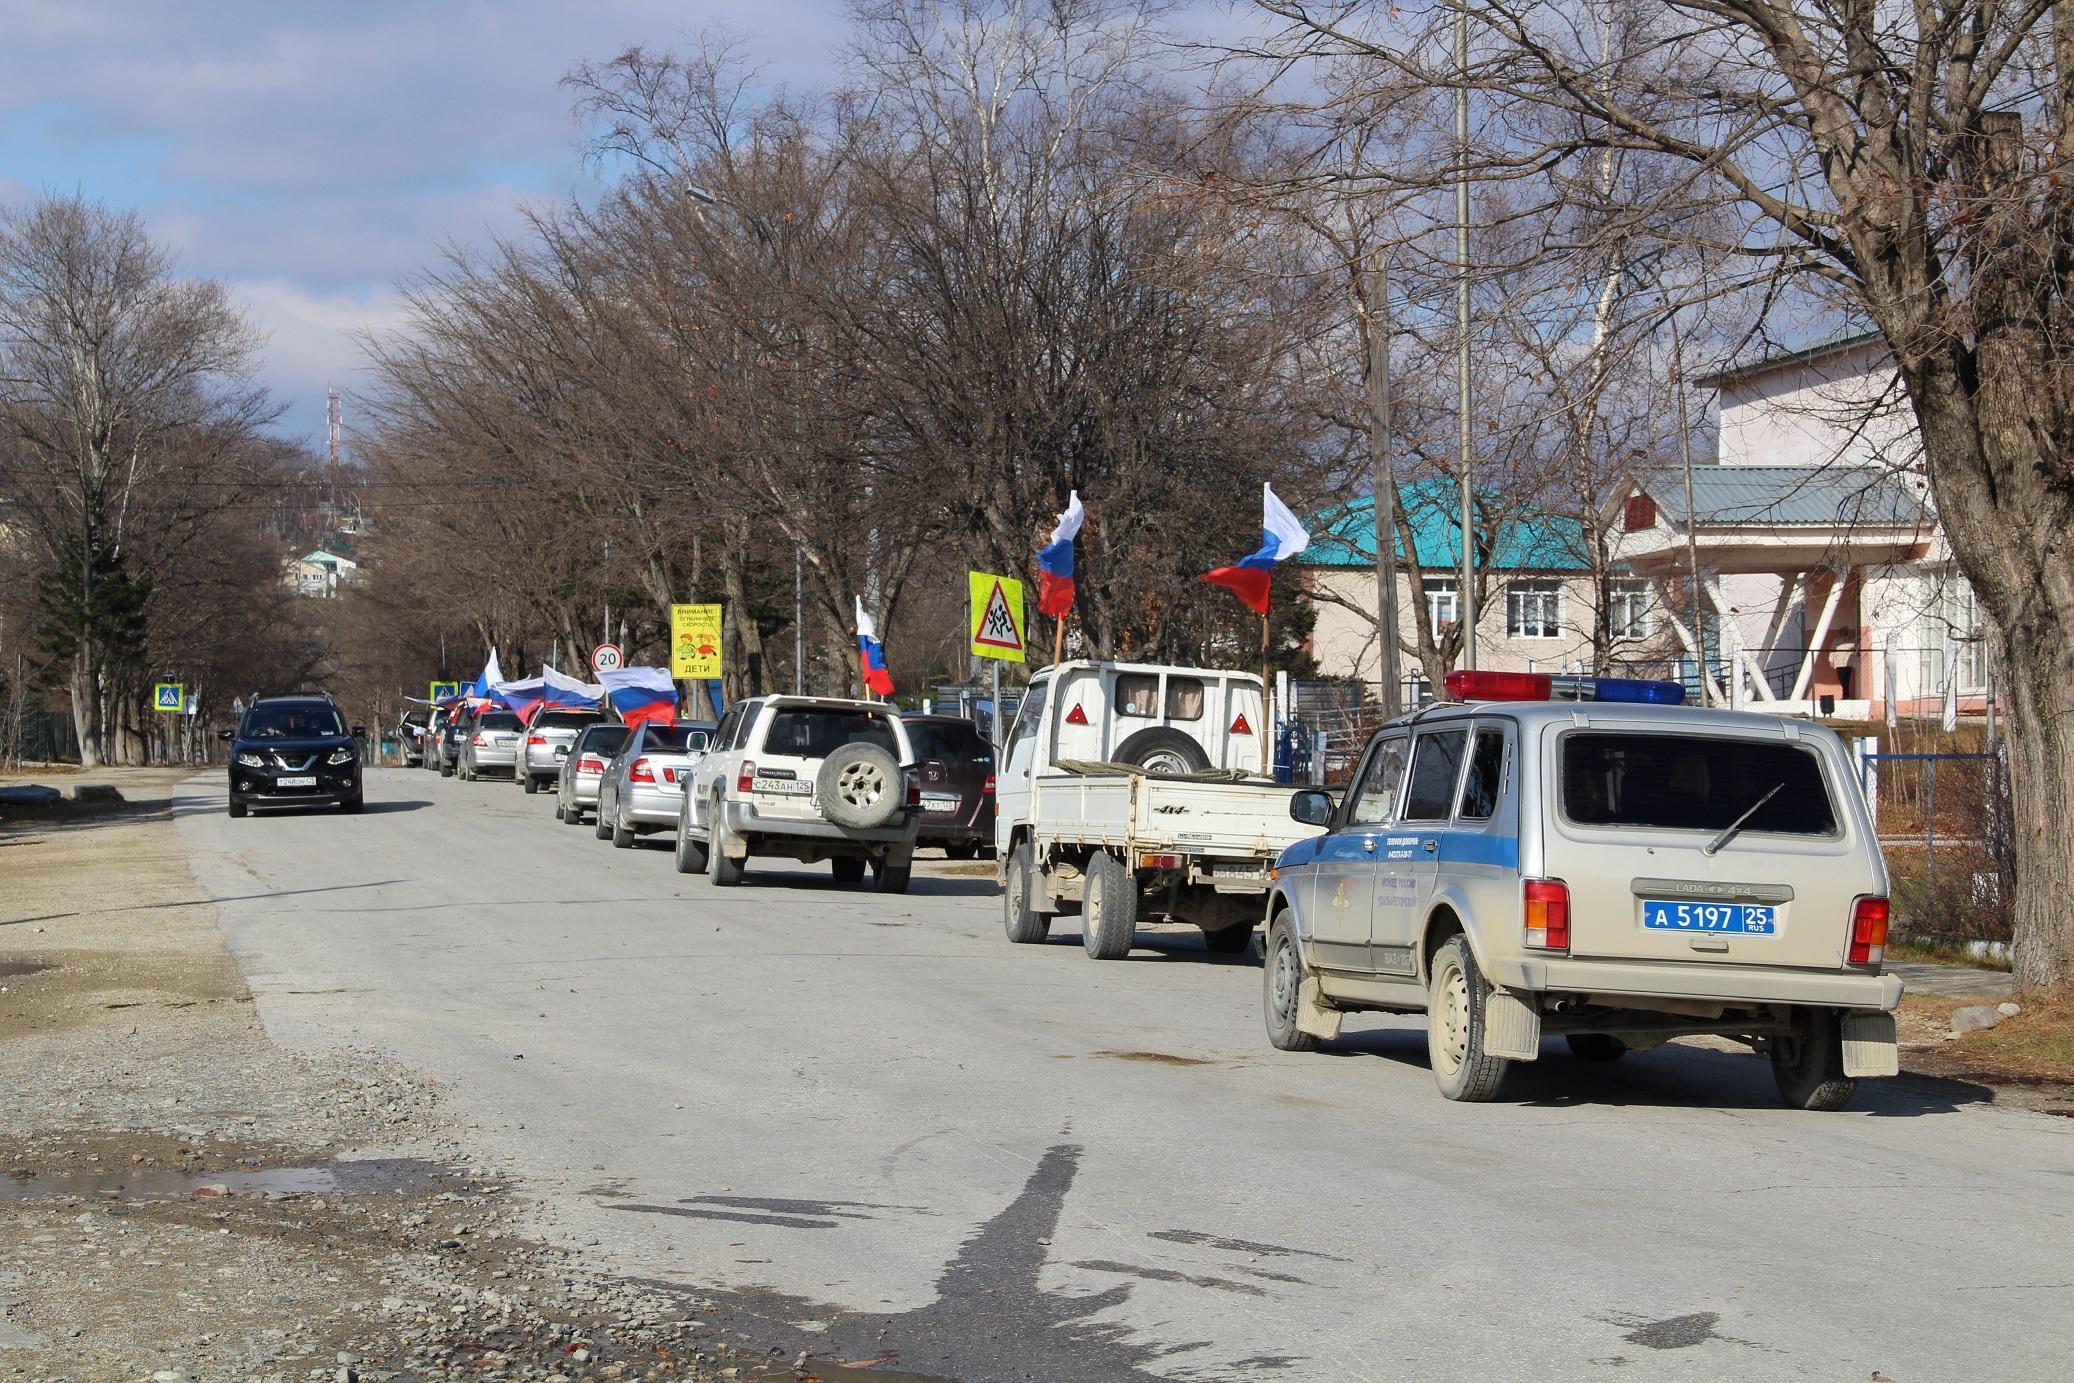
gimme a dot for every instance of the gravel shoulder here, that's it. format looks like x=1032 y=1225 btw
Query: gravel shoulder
x=180 y=1198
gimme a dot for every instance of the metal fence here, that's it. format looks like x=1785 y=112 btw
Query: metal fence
x=1943 y=819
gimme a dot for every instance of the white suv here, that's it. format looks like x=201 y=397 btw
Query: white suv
x=804 y=778
x=1612 y=872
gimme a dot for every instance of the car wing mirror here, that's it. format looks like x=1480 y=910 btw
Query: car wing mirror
x=359 y=732
x=1311 y=807
x=226 y=735
x=697 y=742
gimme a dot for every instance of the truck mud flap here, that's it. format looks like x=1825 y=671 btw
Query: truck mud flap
x=1313 y=1014
x=1511 y=1026
x=1869 y=1045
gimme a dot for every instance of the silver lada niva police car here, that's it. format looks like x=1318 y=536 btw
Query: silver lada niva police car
x=1616 y=869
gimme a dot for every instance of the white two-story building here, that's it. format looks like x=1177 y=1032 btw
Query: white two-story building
x=1823 y=573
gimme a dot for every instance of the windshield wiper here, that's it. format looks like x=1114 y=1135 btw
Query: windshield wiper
x=1728 y=832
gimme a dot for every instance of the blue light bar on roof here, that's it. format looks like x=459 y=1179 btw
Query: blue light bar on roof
x=1637 y=689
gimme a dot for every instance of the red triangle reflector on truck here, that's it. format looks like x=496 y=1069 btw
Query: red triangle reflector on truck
x=1240 y=727
x=1076 y=716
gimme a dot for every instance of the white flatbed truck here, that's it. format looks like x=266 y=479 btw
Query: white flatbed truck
x=1134 y=792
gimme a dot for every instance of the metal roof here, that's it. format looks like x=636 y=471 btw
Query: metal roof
x=1778 y=360
x=1524 y=541
x=1789 y=497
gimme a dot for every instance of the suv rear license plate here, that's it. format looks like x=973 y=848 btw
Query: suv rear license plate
x=1744 y=919
x=295 y=782
x=785 y=787
x=939 y=802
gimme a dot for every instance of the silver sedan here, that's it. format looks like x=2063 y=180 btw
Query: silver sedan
x=576 y=789
x=643 y=786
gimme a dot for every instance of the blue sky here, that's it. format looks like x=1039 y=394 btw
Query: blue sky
x=308 y=155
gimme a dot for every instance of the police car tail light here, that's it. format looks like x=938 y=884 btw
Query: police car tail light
x=1465 y=685
x=641 y=771
x=1548 y=914
x=1869 y=918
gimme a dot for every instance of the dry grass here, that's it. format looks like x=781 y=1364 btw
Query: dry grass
x=2039 y=1041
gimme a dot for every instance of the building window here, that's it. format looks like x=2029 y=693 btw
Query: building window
x=1443 y=602
x=1534 y=610
x=1627 y=610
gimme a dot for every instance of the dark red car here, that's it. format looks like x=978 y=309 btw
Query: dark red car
x=954 y=766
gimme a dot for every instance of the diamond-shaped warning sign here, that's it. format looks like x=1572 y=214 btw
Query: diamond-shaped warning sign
x=999 y=620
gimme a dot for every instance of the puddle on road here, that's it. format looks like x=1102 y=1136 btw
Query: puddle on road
x=376 y=1176
x=9 y=969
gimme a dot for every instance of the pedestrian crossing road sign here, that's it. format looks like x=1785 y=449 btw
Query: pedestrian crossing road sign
x=169 y=696
x=439 y=691
x=999 y=619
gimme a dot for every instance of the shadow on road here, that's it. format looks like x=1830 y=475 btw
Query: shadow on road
x=1676 y=1076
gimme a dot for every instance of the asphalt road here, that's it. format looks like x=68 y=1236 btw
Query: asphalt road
x=876 y=1126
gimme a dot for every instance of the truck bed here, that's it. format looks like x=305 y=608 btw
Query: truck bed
x=1123 y=810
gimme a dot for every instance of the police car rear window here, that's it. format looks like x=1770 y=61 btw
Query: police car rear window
x=1693 y=783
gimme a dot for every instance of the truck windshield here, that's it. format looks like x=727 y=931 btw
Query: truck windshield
x=1693 y=783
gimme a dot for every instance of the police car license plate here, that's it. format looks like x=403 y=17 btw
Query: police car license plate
x=295 y=782
x=939 y=802
x=1740 y=919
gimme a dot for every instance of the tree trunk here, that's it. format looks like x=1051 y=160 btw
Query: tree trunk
x=2041 y=784
x=86 y=705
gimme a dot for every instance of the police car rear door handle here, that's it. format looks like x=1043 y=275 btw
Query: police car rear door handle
x=1429 y=846
x=1368 y=844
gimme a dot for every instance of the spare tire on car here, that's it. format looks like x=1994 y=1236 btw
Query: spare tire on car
x=1162 y=750
x=860 y=787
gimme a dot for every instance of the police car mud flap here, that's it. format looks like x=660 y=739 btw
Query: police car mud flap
x=1869 y=1046
x=1313 y=1014
x=1511 y=1026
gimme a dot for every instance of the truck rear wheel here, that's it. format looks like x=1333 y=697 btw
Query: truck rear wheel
x=1454 y=1026
x=1109 y=918
x=1026 y=926
x=1282 y=990
x=1808 y=1062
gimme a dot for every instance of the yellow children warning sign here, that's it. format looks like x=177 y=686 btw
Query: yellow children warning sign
x=695 y=641
x=999 y=620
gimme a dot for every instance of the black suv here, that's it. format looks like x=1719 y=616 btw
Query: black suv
x=294 y=751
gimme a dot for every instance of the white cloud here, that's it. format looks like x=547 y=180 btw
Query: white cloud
x=313 y=341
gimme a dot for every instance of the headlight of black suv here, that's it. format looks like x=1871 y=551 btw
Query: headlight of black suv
x=340 y=756
x=251 y=761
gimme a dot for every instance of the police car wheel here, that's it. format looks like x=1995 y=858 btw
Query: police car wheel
x=1808 y=1062
x=1454 y=1026
x=1026 y=926
x=1282 y=991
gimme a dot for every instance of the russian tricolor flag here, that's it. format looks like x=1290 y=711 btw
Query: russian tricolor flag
x=523 y=696
x=1055 y=561
x=485 y=682
x=1281 y=538
x=564 y=692
x=641 y=694
x=872 y=654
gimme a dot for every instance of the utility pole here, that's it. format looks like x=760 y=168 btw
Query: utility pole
x=1692 y=542
x=799 y=628
x=1468 y=577
x=1385 y=484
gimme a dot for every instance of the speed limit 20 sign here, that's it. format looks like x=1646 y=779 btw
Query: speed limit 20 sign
x=605 y=658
